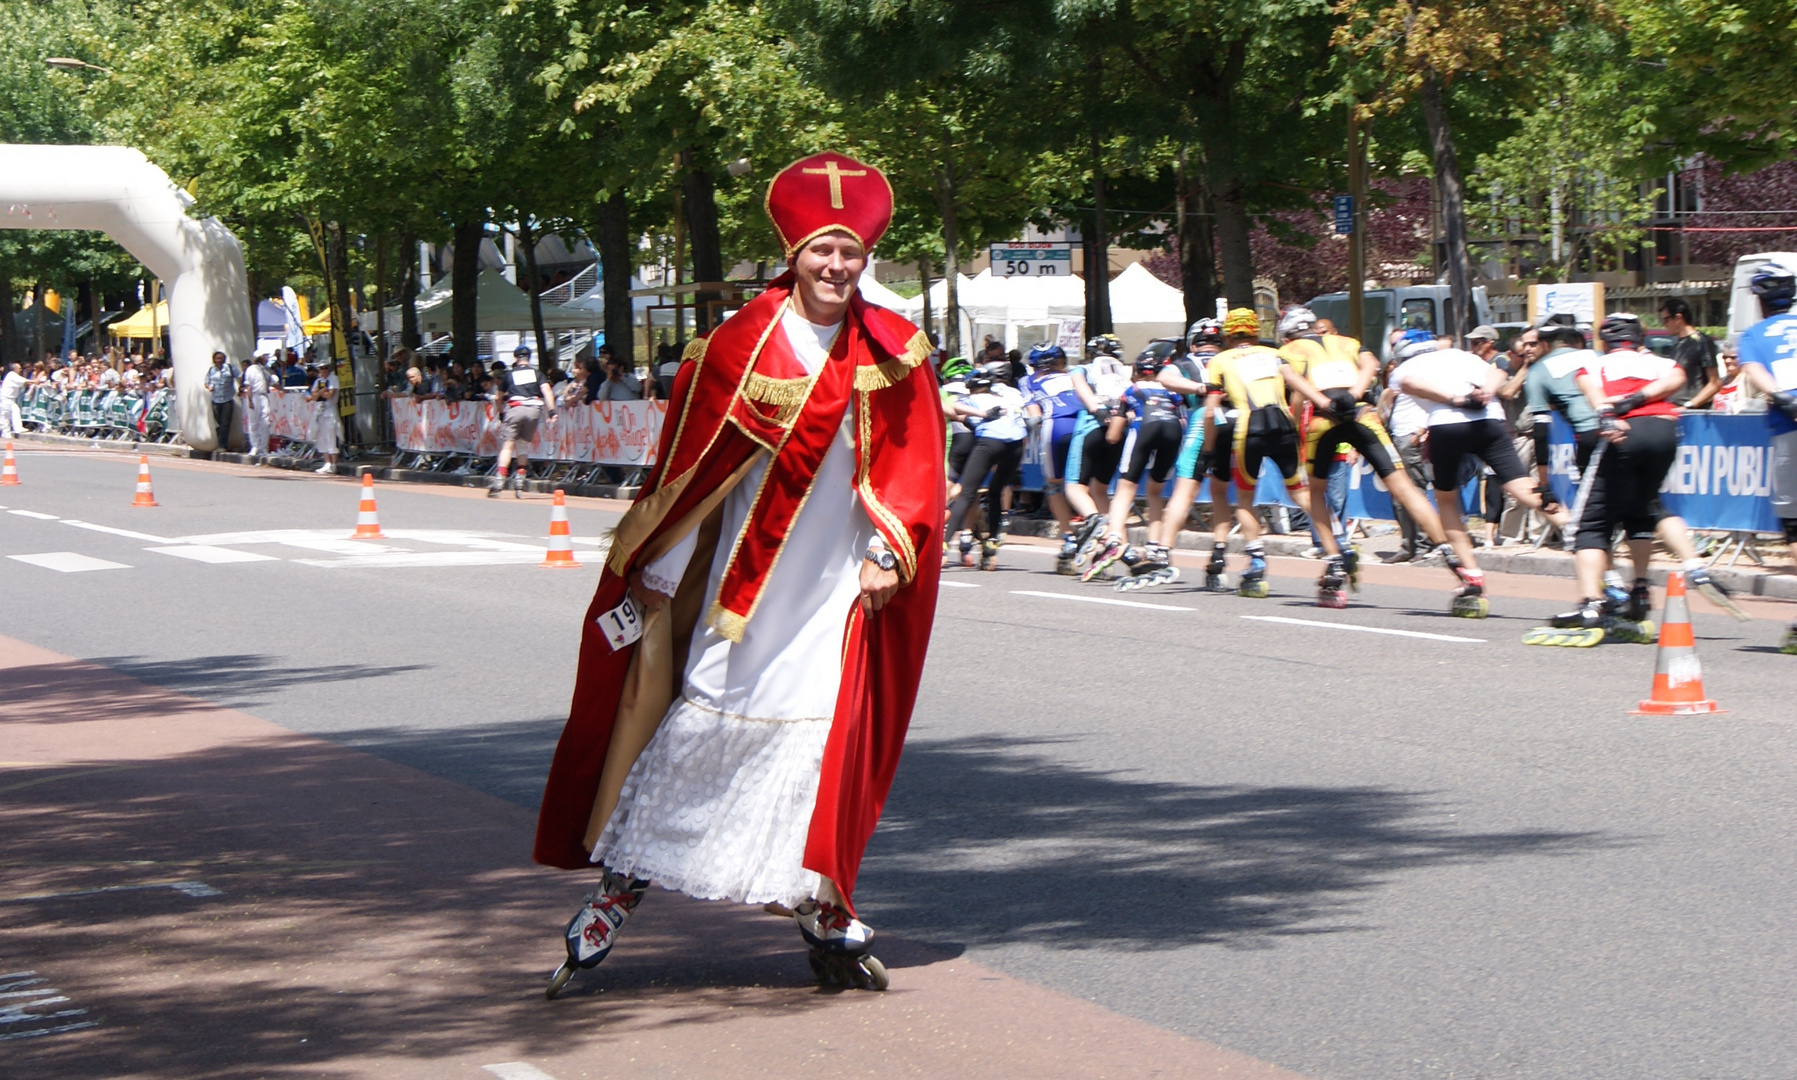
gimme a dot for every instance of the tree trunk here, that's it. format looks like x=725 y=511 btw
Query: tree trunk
x=527 y=238
x=951 y=258
x=37 y=320
x=464 y=281
x=381 y=296
x=1095 y=244
x=408 y=294
x=364 y=372
x=614 y=270
x=10 y=345
x=84 y=298
x=1197 y=248
x=1229 y=197
x=1453 y=207
x=707 y=245
x=923 y=277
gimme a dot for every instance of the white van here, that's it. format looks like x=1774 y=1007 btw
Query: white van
x=1408 y=306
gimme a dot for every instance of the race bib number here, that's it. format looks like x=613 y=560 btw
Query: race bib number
x=1255 y=368
x=1334 y=374
x=621 y=625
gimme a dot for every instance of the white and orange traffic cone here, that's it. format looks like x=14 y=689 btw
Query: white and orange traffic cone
x=145 y=497
x=9 y=472
x=1677 y=676
x=561 y=543
x=368 y=519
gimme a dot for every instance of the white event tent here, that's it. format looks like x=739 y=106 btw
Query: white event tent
x=1021 y=311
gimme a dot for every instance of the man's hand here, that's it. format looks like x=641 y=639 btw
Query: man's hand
x=877 y=586
x=649 y=599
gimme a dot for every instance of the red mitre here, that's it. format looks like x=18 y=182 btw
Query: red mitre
x=825 y=193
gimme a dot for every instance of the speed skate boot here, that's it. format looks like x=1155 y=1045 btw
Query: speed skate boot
x=1580 y=628
x=1789 y=644
x=496 y=486
x=1698 y=577
x=1153 y=567
x=1254 y=579
x=1469 y=598
x=967 y=557
x=1086 y=539
x=989 y=552
x=1213 y=571
x=1351 y=566
x=1625 y=618
x=1332 y=586
x=1110 y=549
x=837 y=947
x=594 y=929
x=1063 y=561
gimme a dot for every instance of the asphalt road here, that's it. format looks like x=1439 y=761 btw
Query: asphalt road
x=1357 y=855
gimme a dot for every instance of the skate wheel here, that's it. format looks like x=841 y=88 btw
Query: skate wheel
x=1476 y=608
x=559 y=980
x=1327 y=599
x=1254 y=590
x=819 y=969
x=873 y=972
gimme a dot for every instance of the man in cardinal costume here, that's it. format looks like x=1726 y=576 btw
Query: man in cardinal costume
x=750 y=659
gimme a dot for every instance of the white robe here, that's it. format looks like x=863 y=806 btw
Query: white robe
x=719 y=804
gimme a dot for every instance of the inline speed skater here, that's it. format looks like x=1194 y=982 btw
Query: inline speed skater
x=1345 y=374
x=1159 y=432
x=1097 y=447
x=1053 y=401
x=996 y=413
x=1188 y=376
x=953 y=378
x=1465 y=426
x=1253 y=380
x=1638 y=425
x=1769 y=362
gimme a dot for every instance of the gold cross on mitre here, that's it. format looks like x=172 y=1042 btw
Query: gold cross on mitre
x=835 y=173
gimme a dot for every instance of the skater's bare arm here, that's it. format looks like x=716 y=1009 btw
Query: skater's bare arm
x=1083 y=390
x=1303 y=387
x=1179 y=384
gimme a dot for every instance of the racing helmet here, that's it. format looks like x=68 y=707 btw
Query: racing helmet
x=1205 y=332
x=1043 y=353
x=1415 y=343
x=955 y=367
x=1156 y=356
x=979 y=379
x=1562 y=327
x=1621 y=326
x=1296 y=321
x=1241 y=322
x=1104 y=345
x=1775 y=283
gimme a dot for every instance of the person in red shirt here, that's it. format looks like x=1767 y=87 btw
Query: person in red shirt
x=1631 y=390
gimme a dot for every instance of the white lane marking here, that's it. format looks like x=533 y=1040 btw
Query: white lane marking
x=16 y=1009
x=403 y=559
x=206 y=554
x=126 y=533
x=35 y=514
x=197 y=890
x=517 y=1070
x=1099 y=600
x=1365 y=629
x=947 y=584
x=68 y=562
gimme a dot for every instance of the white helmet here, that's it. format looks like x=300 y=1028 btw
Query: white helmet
x=1296 y=321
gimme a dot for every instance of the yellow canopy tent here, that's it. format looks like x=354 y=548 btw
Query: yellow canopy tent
x=140 y=324
x=319 y=323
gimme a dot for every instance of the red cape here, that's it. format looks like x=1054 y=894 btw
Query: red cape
x=736 y=399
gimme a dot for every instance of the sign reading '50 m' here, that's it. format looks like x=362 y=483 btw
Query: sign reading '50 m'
x=1032 y=259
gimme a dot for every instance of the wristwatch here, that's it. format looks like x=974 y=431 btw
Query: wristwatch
x=882 y=558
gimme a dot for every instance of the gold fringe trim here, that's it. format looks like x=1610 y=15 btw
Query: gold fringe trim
x=891 y=372
x=788 y=396
x=728 y=623
x=695 y=349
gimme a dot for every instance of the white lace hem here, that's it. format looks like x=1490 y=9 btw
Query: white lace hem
x=718 y=807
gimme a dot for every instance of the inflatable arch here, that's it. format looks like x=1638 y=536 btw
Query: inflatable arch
x=117 y=191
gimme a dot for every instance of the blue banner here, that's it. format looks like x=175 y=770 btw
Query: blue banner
x=1721 y=479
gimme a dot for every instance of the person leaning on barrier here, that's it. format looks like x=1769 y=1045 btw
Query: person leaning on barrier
x=12 y=388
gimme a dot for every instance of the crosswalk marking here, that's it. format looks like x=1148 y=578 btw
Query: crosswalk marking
x=517 y=1070
x=126 y=533
x=68 y=562
x=208 y=554
x=19 y=1003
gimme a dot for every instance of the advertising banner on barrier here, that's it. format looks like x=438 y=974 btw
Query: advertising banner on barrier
x=1721 y=479
x=603 y=433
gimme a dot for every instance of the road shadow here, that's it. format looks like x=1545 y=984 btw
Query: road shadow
x=244 y=680
x=988 y=840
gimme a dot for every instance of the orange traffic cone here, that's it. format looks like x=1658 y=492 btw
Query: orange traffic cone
x=9 y=472
x=1677 y=676
x=561 y=544
x=145 y=497
x=368 y=520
